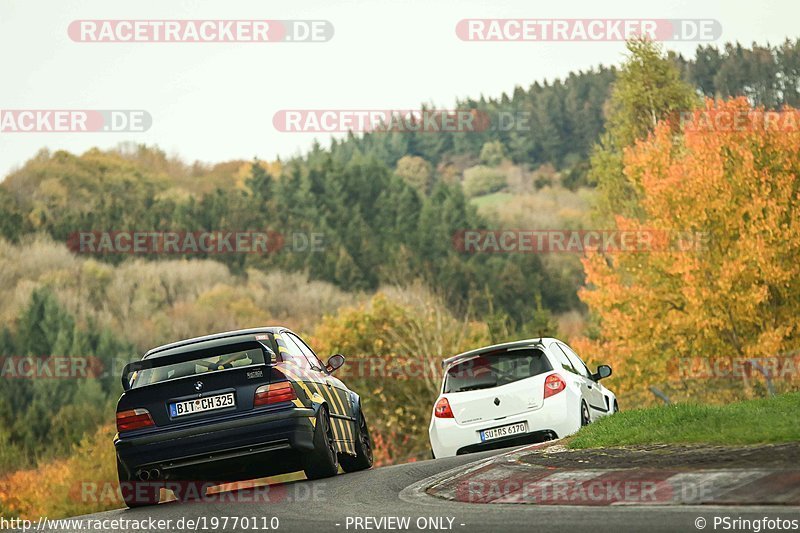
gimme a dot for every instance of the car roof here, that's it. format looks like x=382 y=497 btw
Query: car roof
x=211 y=341
x=494 y=347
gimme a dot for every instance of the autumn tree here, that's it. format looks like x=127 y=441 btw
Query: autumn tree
x=648 y=88
x=725 y=284
x=416 y=172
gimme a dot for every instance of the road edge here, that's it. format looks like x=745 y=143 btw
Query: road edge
x=417 y=493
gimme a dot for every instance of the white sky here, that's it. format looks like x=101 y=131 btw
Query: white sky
x=213 y=102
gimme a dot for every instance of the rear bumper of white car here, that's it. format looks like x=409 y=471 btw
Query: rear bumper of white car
x=553 y=420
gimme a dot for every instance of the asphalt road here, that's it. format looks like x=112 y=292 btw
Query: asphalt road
x=335 y=504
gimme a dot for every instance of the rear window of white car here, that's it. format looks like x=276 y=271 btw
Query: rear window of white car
x=495 y=369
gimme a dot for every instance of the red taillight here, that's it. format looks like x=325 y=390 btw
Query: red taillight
x=134 y=419
x=274 y=393
x=442 y=409
x=553 y=384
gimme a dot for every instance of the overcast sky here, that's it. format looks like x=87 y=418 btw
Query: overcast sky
x=215 y=101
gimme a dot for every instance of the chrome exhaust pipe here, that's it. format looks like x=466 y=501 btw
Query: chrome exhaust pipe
x=155 y=473
x=143 y=475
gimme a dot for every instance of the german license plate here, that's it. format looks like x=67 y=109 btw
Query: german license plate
x=200 y=405
x=504 y=431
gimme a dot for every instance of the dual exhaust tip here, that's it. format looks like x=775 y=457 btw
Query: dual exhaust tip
x=147 y=475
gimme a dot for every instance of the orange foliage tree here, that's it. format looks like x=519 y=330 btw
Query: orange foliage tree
x=728 y=179
x=85 y=482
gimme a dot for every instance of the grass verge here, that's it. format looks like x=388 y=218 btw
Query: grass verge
x=763 y=421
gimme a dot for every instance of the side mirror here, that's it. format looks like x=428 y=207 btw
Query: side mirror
x=603 y=371
x=335 y=361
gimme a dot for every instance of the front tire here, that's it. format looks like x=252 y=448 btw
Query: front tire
x=322 y=462
x=363 y=444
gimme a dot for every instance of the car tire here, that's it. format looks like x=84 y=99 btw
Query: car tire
x=585 y=418
x=137 y=493
x=322 y=461
x=363 y=444
x=616 y=406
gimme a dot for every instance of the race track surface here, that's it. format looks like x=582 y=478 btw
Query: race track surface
x=355 y=502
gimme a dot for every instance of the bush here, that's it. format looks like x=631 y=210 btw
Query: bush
x=11 y=456
x=493 y=153
x=481 y=180
x=84 y=483
x=394 y=346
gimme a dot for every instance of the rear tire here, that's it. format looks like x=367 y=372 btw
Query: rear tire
x=616 y=406
x=137 y=493
x=363 y=445
x=322 y=462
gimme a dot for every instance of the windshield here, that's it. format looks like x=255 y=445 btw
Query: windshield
x=495 y=369
x=202 y=365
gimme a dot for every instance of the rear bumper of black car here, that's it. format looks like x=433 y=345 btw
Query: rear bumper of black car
x=245 y=447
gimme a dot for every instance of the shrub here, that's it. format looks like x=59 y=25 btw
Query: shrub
x=493 y=153
x=84 y=483
x=395 y=344
x=481 y=180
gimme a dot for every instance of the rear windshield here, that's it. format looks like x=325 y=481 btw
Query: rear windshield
x=495 y=369
x=202 y=365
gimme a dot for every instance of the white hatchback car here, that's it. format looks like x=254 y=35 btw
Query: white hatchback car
x=516 y=393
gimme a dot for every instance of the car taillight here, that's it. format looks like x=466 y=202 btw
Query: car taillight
x=553 y=384
x=274 y=393
x=442 y=409
x=134 y=419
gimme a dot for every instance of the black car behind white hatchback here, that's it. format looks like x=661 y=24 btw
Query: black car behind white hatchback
x=232 y=406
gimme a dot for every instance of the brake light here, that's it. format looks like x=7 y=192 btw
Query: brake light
x=442 y=409
x=553 y=384
x=274 y=393
x=134 y=419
